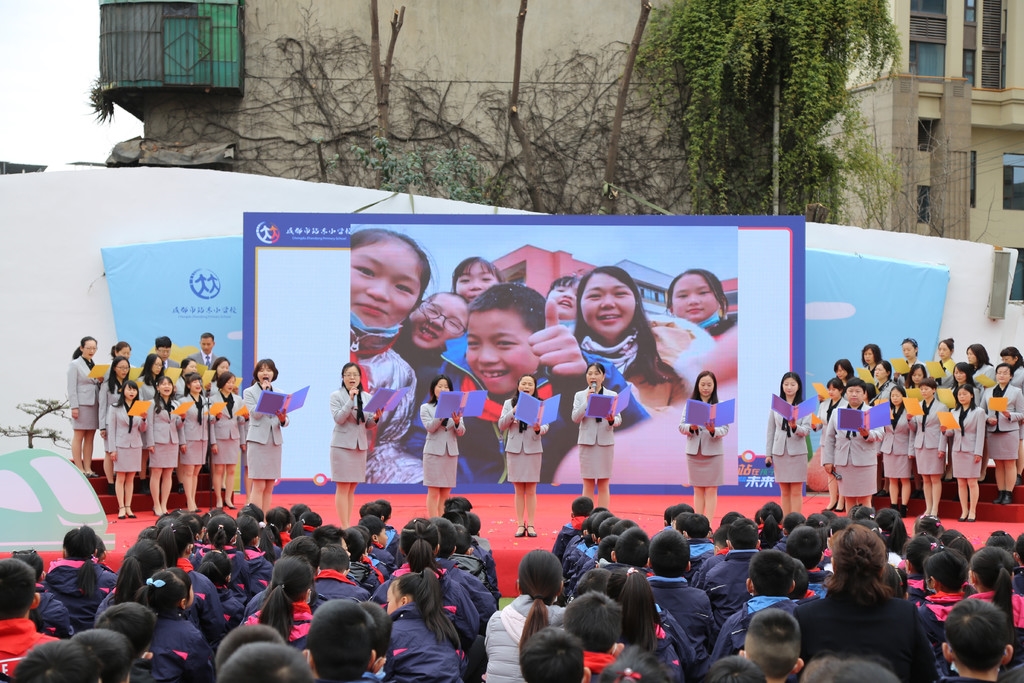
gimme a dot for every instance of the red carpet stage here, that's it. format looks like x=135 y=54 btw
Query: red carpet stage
x=498 y=518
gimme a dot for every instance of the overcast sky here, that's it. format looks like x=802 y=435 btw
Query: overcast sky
x=49 y=58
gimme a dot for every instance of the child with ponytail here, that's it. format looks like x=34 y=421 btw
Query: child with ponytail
x=286 y=604
x=217 y=568
x=176 y=539
x=945 y=575
x=991 y=574
x=222 y=536
x=424 y=642
x=180 y=652
x=254 y=540
x=78 y=580
x=540 y=584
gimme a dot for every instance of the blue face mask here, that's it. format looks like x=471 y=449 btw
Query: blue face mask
x=710 y=321
x=360 y=326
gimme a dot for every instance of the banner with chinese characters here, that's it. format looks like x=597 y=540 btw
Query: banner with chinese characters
x=178 y=289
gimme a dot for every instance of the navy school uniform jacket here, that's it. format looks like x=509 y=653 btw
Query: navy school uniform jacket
x=382 y=560
x=302 y=619
x=691 y=664
x=239 y=567
x=53 y=615
x=260 y=570
x=254 y=605
x=232 y=607
x=457 y=603
x=572 y=551
x=690 y=607
x=491 y=569
x=726 y=584
x=816 y=582
x=61 y=581
x=916 y=591
x=180 y=652
x=933 y=613
x=366 y=575
x=709 y=563
x=700 y=550
x=734 y=630
x=484 y=602
x=333 y=585
x=206 y=611
x=584 y=562
x=562 y=540
x=475 y=566
x=1018 y=580
x=392 y=546
x=415 y=656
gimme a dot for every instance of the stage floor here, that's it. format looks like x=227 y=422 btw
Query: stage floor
x=497 y=515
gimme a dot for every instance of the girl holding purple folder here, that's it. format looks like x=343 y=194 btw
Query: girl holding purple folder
x=704 y=453
x=263 y=440
x=786 y=448
x=523 y=455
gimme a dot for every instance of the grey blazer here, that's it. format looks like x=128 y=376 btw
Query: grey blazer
x=164 y=427
x=106 y=400
x=898 y=441
x=778 y=443
x=262 y=428
x=348 y=434
x=441 y=439
x=1014 y=405
x=118 y=435
x=196 y=427
x=857 y=450
x=973 y=438
x=705 y=441
x=526 y=441
x=198 y=357
x=593 y=432
x=227 y=427
x=82 y=391
x=930 y=436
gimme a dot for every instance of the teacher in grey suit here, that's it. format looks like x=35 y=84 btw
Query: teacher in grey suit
x=83 y=397
x=441 y=448
x=263 y=440
x=596 y=440
x=349 y=441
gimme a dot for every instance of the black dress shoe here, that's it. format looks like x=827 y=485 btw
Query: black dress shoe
x=1007 y=497
x=144 y=487
x=917 y=495
x=903 y=511
x=1000 y=499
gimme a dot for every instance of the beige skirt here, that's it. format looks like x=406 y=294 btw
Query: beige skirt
x=596 y=461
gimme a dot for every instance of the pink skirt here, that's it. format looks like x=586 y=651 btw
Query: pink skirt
x=1003 y=445
x=440 y=471
x=195 y=453
x=858 y=481
x=895 y=466
x=165 y=456
x=705 y=470
x=790 y=469
x=348 y=465
x=964 y=466
x=227 y=452
x=930 y=461
x=596 y=461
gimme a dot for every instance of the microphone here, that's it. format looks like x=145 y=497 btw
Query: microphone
x=593 y=386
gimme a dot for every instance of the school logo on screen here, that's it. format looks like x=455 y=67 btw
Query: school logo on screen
x=204 y=283
x=267 y=233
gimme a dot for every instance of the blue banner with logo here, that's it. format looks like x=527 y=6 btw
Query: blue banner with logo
x=180 y=289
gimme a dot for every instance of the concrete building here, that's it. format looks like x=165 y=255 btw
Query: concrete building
x=953 y=119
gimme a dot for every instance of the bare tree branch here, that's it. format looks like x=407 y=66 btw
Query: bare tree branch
x=608 y=194
x=529 y=160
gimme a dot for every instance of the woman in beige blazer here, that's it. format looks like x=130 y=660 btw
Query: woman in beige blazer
x=597 y=439
x=84 y=401
x=440 y=449
x=523 y=454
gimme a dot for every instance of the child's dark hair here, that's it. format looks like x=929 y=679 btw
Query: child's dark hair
x=805 y=546
x=425 y=590
x=372 y=523
x=357 y=539
x=632 y=548
x=977 y=633
x=734 y=669
x=1000 y=539
x=457 y=517
x=222 y=532
x=770 y=519
x=308 y=521
x=993 y=568
x=419 y=539
x=380 y=630
x=304 y=547
x=112 y=652
x=240 y=637
x=299 y=509
x=80 y=544
x=526 y=303
x=630 y=589
x=606 y=546
x=216 y=567
x=693 y=525
x=463 y=539
x=952 y=538
x=457 y=503
x=328 y=534
x=896 y=579
x=773 y=642
x=378 y=508
x=164 y=591
x=540 y=577
x=133 y=621
x=742 y=534
x=473 y=523
x=17 y=589
x=582 y=506
x=551 y=656
x=771 y=572
x=341 y=621
x=281 y=518
x=174 y=539
x=792 y=521
x=335 y=557
x=801 y=580
x=635 y=664
x=669 y=554
x=928 y=524
x=265 y=662
x=368 y=236
x=673 y=511
x=918 y=550
x=948 y=568
x=595 y=619
x=894 y=531
x=142 y=560
x=58 y=661
x=290 y=583
x=32 y=559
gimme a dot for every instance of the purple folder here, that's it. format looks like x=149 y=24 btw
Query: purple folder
x=297 y=399
x=879 y=416
x=600 y=405
x=396 y=398
x=532 y=410
x=697 y=413
x=700 y=413
x=851 y=420
x=808 y=407
x=783 y=407
x=385 y=399
x=725 y=412
x=465 y=403
x=271 y=403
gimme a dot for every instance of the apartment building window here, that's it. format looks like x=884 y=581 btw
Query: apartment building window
x=651 y=294
x=929 y=6
x=927 y=59
x=970 y=11
x=1013 y=181
x=969 y=66
x=924 y=204
x=974 y=178
x=925 y=135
